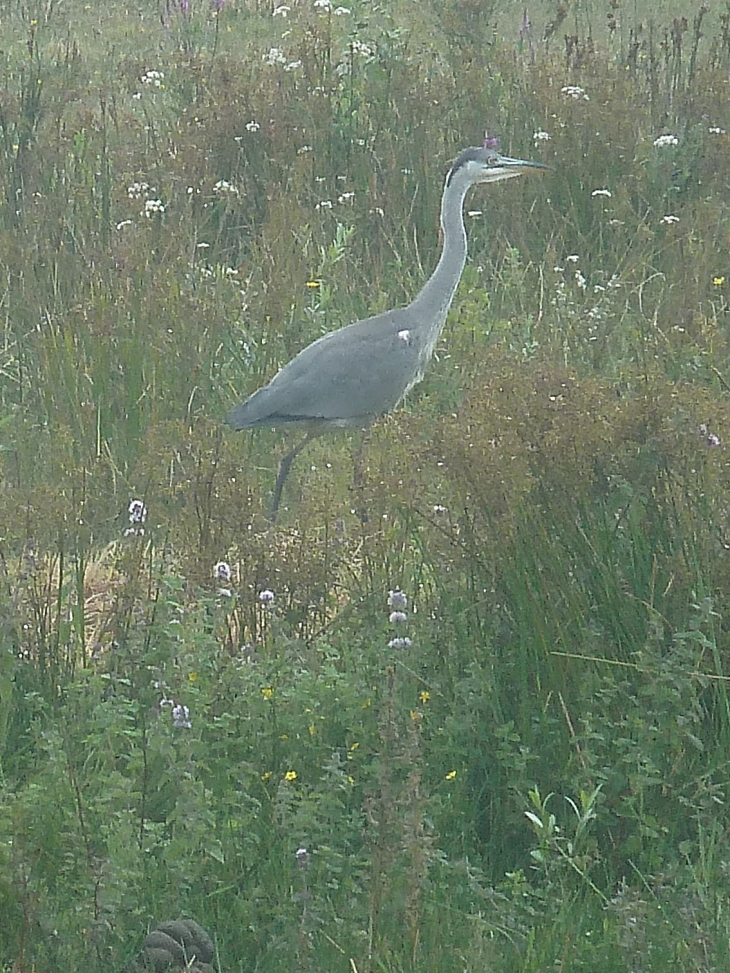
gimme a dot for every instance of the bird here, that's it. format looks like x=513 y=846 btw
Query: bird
x=350 y=377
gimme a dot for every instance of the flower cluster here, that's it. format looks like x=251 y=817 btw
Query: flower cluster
x=325 y=7
x=180 y=714
x=711 y=439
x=137 y=517
x=153 y=207
x=224 y=188
x=398 y=603
x=665 y=140
x=139 y=189
x=181 y=717
x=275 y=56
x=573 y=91
x=153 y=78
x=363 y=50
x=223 y=573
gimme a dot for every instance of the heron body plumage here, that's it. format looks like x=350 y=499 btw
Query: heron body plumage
x=351 y=376
x=364 y=369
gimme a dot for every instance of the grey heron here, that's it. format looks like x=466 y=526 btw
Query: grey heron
x=351 y=376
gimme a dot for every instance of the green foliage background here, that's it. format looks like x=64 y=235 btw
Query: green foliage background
x=189 y=194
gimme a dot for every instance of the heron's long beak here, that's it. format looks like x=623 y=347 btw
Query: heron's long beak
x=504 y=167
x=519 y=164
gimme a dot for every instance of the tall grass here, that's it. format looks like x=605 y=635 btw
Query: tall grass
x=530 y=769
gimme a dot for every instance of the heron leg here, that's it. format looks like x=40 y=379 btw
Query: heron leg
x=284 y=467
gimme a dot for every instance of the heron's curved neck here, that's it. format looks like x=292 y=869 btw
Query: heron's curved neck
x=434 y=299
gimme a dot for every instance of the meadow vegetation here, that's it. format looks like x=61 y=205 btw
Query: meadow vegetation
x=485 y=726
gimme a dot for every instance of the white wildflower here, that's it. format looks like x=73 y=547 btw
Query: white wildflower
x=137 y=512
x=602 y=192
x=274 y=56
x=154 y=78
x=137 y=190
x=573 y=91
x=573 y=258
x=364 y=50
x=665 y=140
x=716 y=130
x=181 y=717
x=252 y=126
x=397 y=599
x=324 y=204
x=400 y=643
x=397 y=618
x=541 y=137
x=223 y=188
x=266 y=597
x=152 y=207
x=669 y=219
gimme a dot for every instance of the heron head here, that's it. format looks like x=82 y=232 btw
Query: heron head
x=486 y=164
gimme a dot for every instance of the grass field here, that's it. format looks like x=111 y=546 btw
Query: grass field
x=204 y=717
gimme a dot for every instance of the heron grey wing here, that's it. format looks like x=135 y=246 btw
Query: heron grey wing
x=346 y=376
x=368 y=374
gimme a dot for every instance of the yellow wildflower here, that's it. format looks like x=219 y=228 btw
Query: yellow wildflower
x=192 y=677
x=451 y=774
x=718 y=281
x=267 y=692
x=290 y=775
x=266 y=776
x=424 y=696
